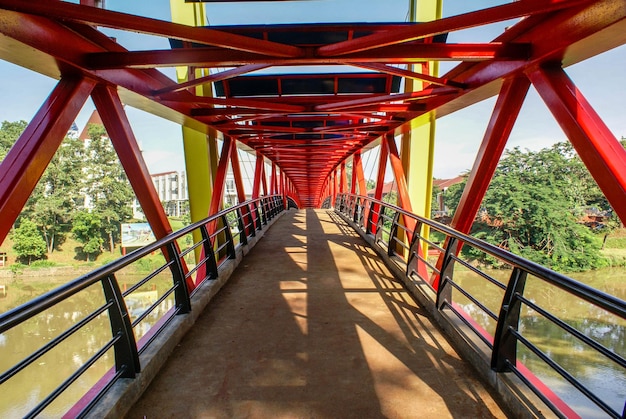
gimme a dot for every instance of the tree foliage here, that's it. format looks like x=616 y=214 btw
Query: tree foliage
x=87 y=230
x=9 y=133
x=107 y=185
x=58 y=194
x=80 y=176
x=27 y=242
x=531 y=207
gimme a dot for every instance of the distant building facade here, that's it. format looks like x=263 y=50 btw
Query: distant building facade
x=172 y=190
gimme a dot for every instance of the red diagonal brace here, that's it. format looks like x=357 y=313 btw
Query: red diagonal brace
x=500 y=125
x=597 y=147
x=449 y=24
x=28 y=158
x=120 y=132
x=118 y=129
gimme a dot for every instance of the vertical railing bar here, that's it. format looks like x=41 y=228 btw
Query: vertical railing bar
x=230 y=245
x=210 y=255
x=181 y=293
x=505 y=342
x=126 y=355
x=444 y=290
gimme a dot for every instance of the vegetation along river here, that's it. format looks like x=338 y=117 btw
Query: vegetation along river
x=20 y=391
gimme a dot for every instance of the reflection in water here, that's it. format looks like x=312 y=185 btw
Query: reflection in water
x=30 y=386
x=602 y=376
x=27 y=388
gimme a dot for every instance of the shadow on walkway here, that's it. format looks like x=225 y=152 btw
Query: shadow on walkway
x=312 y=325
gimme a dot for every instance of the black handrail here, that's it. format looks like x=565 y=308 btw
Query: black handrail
x=381 y=221
x=125 y=348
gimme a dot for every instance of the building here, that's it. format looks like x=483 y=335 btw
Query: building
x=172 y=190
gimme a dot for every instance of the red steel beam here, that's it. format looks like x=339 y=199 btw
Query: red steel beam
x=502 y=120
x=357 y=169
x=239 y=186
x=264 y=178
x=503 y=117
x=454 y=23
x=219 y=183
x=596 y=145
x=65 y=11
x=394 y=54
x=120 y=132
x=403 y=189
x=222 y=75
x=111 y=111
x=396 y=71
x=256 y=183
x=380 y=182
x=343 y=184
x=26 y=161
x=380 y=99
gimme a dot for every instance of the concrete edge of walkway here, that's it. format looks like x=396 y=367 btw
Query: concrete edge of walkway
x=516 y=397
x=125 y=392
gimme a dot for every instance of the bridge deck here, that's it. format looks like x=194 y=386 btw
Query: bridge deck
x=313 y=325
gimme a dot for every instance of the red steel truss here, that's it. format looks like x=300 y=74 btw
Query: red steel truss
x=307 y=125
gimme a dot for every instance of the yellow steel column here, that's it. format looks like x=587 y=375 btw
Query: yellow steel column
x=200 y=148
x=418 y=145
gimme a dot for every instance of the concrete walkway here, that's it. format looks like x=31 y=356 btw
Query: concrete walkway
x=312 y=325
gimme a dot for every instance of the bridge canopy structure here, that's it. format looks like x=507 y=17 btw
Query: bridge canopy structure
x=307 y=100
x=364 y=84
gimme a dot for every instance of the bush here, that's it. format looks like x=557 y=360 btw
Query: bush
x=43 y=264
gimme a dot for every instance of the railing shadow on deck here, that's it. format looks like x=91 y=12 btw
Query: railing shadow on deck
x=136 y=316
x=314 y=325
x=494 y=322
x=426 y=348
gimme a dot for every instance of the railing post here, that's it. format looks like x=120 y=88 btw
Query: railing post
x=125 y=348
x=378 y=232
x=270 y=208
x=181 y=293
x=412 y=260
x=392 y=234
x=257 y=214
x=370 y=219
x=252 y=220
x=505 y=342
x=211 y=263
x=230 y=245
x=444 y=290
x=356 y=213
x=243 y=236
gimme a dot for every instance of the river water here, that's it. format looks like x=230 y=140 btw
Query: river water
x=27 y=387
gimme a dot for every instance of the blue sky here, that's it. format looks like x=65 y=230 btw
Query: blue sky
x=457 y=136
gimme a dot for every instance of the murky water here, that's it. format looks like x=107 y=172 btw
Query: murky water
x=604 y=377
x=25 y=389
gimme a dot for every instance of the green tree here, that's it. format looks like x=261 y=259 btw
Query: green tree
x=530 y=205
x=452 y=196
x=107 y=185
x=58 y=194
x=27 y=241
x=9 y=133
x=87 y=229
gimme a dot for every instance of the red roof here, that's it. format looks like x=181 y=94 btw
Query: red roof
x=93 y=119
x=446 y=183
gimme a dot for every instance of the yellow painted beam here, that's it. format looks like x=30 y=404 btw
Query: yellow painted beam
x=418 y=145
x=200 y=149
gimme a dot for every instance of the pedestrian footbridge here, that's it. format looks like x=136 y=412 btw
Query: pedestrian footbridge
x=336 y=312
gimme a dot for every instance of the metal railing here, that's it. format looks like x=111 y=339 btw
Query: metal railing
x=132 y=326
x=510 y=309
